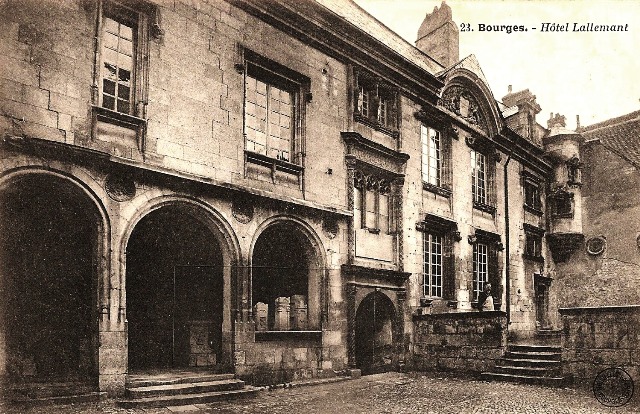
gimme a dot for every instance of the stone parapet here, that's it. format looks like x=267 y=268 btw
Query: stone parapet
x=597 y=338
x=464 y=342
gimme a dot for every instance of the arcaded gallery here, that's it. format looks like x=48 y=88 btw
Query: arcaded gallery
x=250 y=193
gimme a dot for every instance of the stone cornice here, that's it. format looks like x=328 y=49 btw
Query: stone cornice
x=99 y=159
x=370 y=274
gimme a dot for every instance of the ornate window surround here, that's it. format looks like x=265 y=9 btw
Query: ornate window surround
x=487 y=148
x=143 y=18
x=493 y=243
x=533 y=243
x=532 y=186
x=447 y=230
x=377 y=91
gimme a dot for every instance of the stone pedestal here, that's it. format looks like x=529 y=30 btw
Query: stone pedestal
x=200 y=352
x=261 y=312
x=299 y=320
x=282 y=319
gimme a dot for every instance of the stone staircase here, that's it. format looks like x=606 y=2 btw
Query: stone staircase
x=531 y=364
x=183 y=389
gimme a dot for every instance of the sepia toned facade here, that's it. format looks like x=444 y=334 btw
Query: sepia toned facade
x=279 y=190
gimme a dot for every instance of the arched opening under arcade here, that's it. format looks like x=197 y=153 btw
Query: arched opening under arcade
x=176 y=267
x=51 y=239
x=286 y=271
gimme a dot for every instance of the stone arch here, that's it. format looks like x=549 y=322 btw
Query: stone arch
x=315 y=264
x=461 y=80
x=226 y=245
x=75 y=254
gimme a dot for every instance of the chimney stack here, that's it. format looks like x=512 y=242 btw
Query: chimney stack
x=438 y=36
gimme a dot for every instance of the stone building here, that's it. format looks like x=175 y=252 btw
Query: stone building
x=278 y=190
x=595 y=240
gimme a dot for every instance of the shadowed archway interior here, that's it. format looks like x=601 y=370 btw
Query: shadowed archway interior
x=49 y=232
x=374 y=334
x=174 y=292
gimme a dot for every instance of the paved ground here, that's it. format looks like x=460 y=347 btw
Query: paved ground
x=384 y=393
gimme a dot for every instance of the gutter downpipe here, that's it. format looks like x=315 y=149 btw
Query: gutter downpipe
x=507 y=244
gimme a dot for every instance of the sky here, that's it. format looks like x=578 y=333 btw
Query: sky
x=592 y=74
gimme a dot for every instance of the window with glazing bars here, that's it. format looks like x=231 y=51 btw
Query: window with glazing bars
x=431 y=156
x=479 y=177
x=269 y=117
x=119 y=31
x=480 y=268
x=432 y=266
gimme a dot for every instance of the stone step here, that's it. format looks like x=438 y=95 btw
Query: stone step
x=184 y=388
x=59 y=399
x=134 y=381
x=188 y=399
x=549 y=356
x=528 y=371
x=527 y=379
x=51 y=389
x=525 y=362
x=534 y=348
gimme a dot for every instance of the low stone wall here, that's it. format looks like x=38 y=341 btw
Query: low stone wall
x=276 y=357
x=597 y=338
x=464 y=341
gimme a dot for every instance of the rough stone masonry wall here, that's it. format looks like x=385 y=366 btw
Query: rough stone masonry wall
x=594 y=339
x=463 y=342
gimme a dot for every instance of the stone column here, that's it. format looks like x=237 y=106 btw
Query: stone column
x=351 y=324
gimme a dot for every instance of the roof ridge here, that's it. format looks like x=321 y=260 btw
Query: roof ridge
x=611 y=121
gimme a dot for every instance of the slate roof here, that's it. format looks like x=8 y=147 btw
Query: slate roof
x=357 y=16
x=620 y=135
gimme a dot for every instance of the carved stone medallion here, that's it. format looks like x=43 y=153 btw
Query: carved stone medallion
x=242 y=209
x=330 y=227
x=120 y=186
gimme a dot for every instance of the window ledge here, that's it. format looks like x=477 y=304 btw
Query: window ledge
x=445 y=192
x=118 y=118
x=539 y=259
x=267 y=336
x=374 y=231
x=279 y=165
x=533 y=210
x=484 y=207
x=376 y=125
x=561 y=215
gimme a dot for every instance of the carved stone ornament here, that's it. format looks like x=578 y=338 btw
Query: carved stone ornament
x=461 y=102
x=242 y=210
x=596 y=245
x=120 y=186
x=330 y=227
x=358 y=180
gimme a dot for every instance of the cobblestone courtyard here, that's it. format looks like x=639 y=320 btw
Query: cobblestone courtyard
x=384 y=393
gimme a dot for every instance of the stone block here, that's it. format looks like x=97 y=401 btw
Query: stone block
x=261 y=312
x=332 y=338
x=239 y=357
x=300 y=354
x=282 y=315
x=112 y=384
x=112 y=361
x=298 y=306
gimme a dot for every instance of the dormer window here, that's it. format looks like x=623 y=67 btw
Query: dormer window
x=376 y=103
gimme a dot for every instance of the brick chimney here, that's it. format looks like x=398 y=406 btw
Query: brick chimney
x=438 y=36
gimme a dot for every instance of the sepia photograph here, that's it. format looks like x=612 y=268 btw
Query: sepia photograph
x=319 y=206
